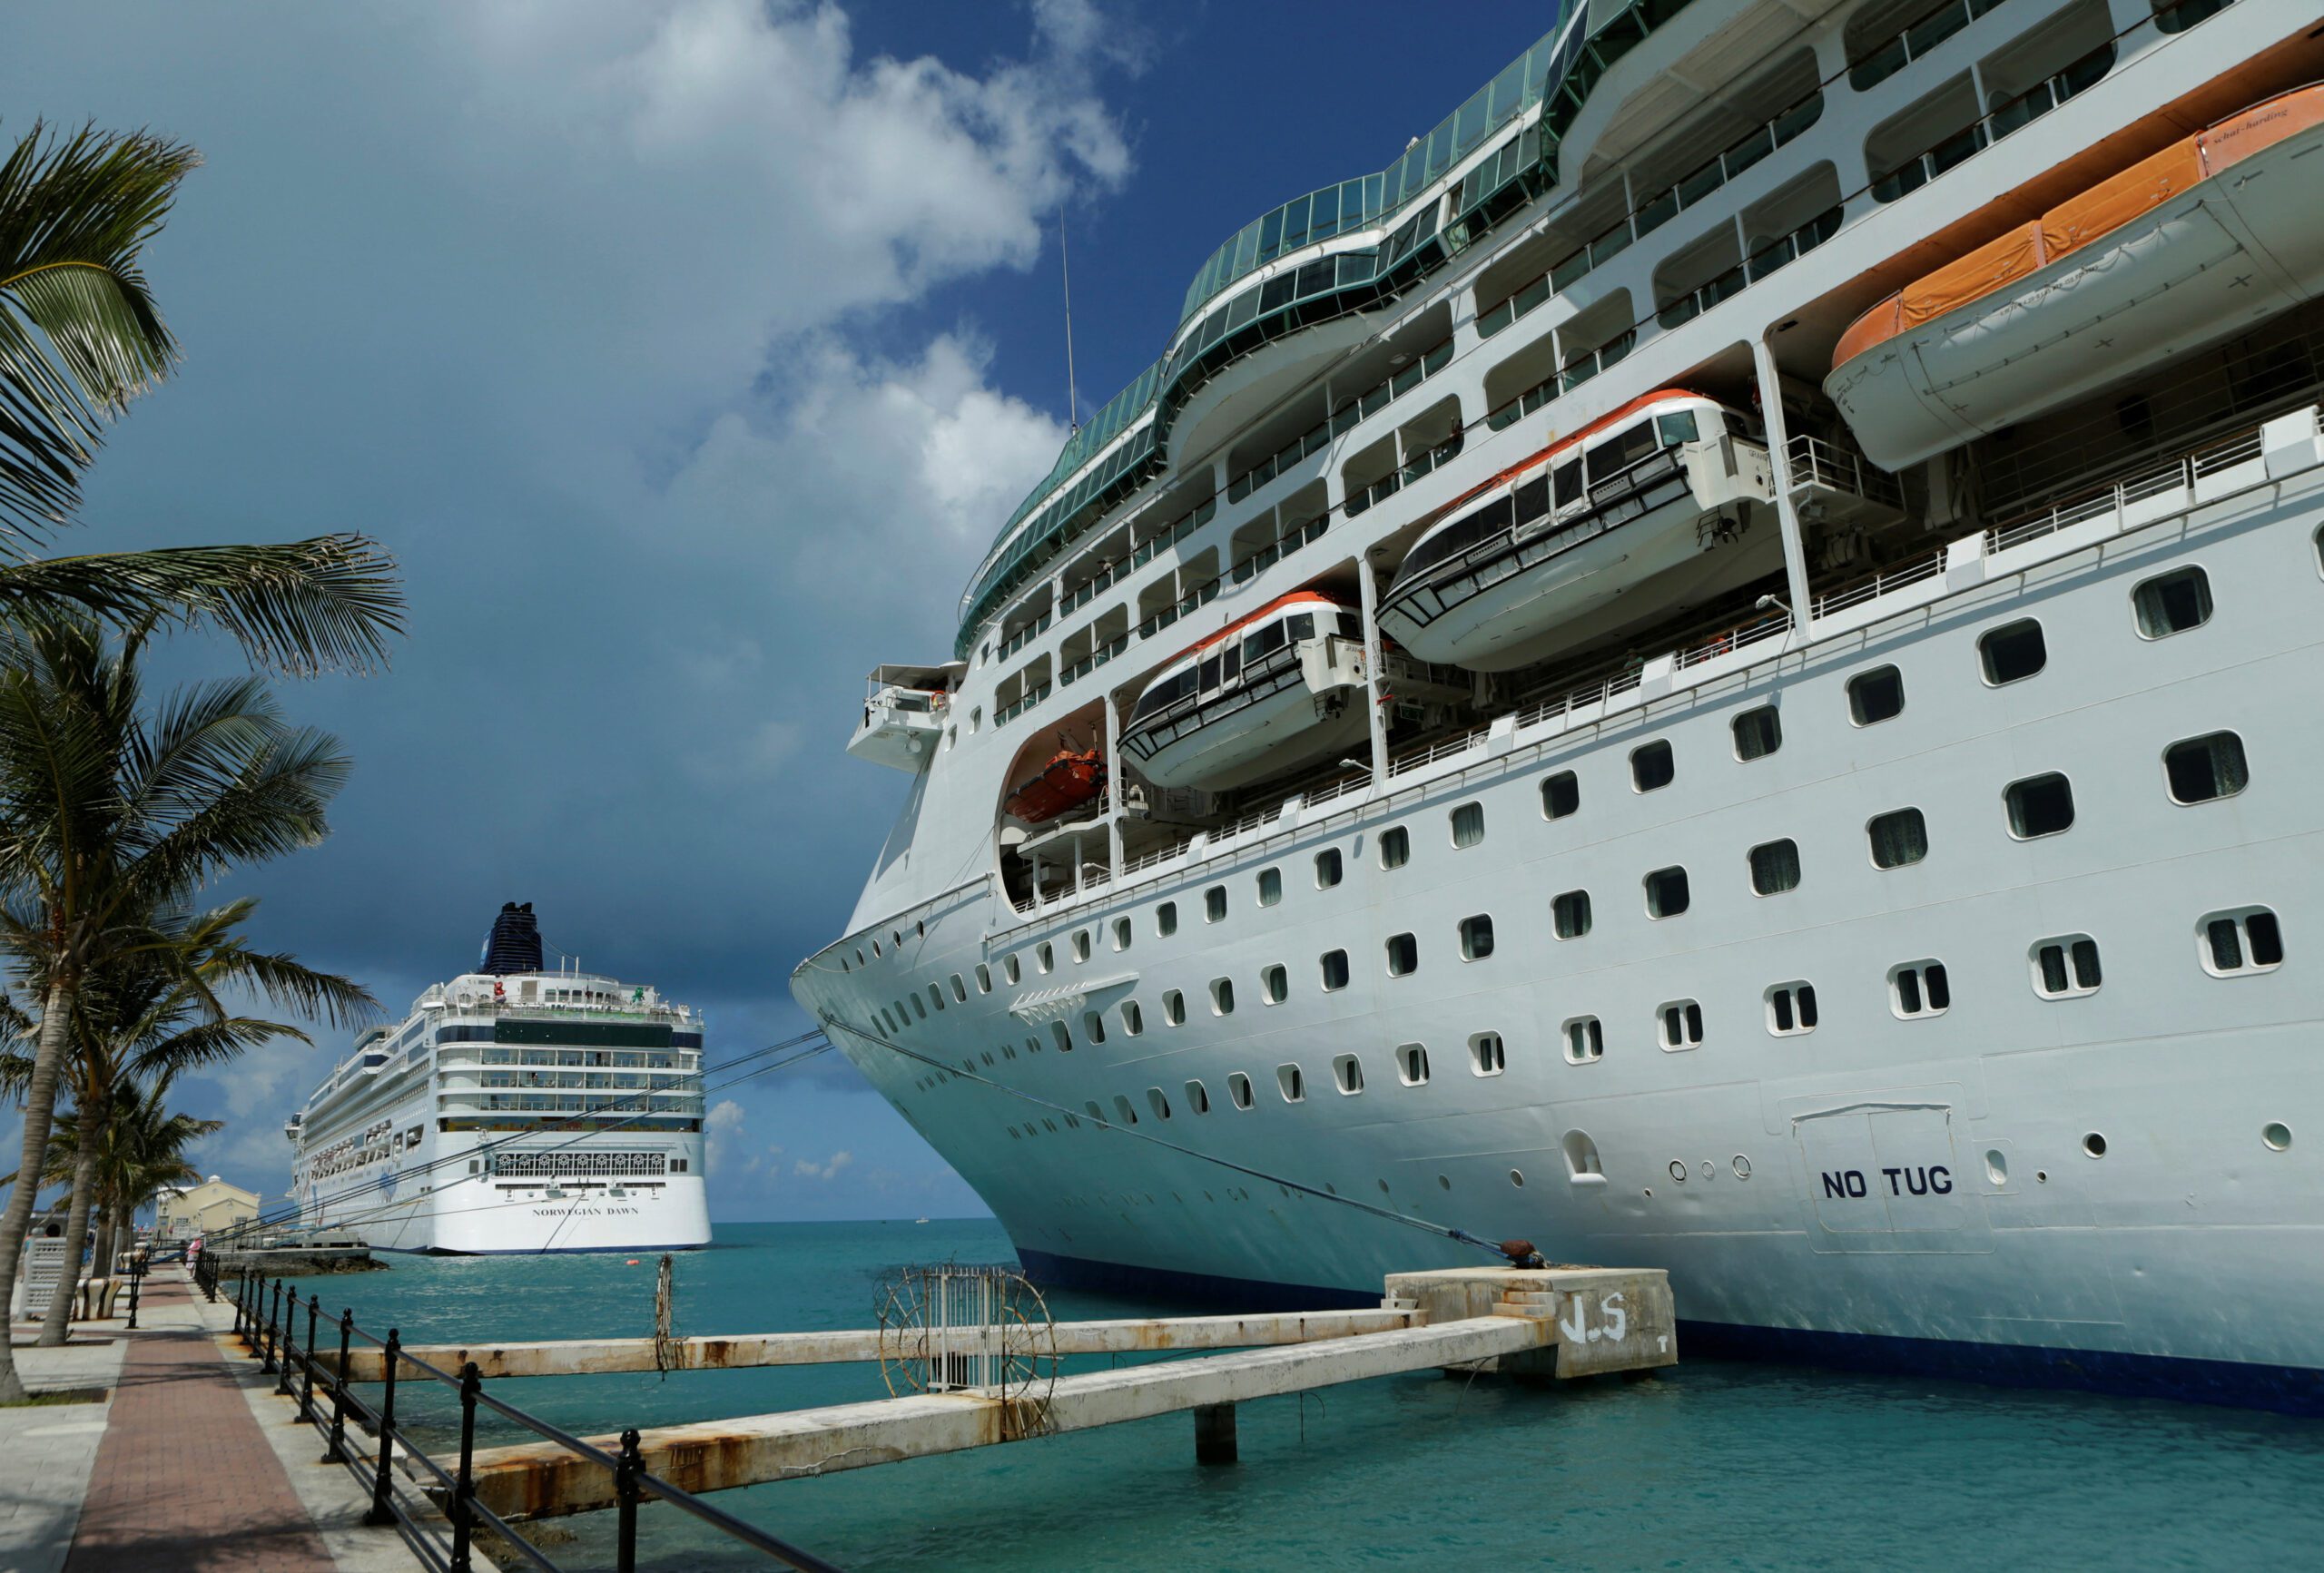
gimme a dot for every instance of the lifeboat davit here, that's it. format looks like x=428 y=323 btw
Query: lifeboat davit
x=1071 y=778
x=1267 y=693
x=2163 y=258
x=1665 y=500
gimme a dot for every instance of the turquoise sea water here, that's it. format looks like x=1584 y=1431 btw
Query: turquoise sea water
x=1711 y=1465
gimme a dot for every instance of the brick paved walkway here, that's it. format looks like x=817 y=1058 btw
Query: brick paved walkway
x=184 y=1478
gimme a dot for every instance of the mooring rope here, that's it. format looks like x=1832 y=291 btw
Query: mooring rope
x=1445 y=1231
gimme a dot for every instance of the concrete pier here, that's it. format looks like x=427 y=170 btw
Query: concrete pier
x=1543 y=1324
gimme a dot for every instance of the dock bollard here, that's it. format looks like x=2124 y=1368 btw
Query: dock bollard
x=626 y=1492
x=336 y=1452
x=381 y=1513
x=1215 y=1434
x=464 y=1487
x=307 y=1389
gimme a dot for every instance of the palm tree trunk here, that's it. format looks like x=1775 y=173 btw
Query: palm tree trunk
x=40 y=1109
x=57 y=1326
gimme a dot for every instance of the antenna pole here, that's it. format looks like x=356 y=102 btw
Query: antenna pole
x=1072 y=395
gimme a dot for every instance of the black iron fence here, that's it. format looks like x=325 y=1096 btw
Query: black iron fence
x=440 y=1518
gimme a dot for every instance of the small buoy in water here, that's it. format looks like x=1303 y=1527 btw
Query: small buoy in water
x=631 y=1263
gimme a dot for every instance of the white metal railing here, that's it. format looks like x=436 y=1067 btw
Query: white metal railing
x=1814 y=461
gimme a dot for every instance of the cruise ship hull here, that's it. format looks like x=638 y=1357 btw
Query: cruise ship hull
x=2184 y=1257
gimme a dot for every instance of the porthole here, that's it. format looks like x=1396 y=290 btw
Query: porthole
x=1876 y=696
x=1347 y=1074
x=1561 y=795
x=1757 y=732
x=1327 y=868
x=1238 y=1089
x=1274 y=984
x=1081 y=944
x=1291 y=1083
x=1742 y=1167
x=2172 y=602
x=2094 y=1145
x=1517 y=1177
x=2011 y=653
x=1653 y=766
x=1412 y=1063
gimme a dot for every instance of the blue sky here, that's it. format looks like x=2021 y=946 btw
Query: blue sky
x=687 y=353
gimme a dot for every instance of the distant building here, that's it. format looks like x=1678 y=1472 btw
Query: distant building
x=205 y=1209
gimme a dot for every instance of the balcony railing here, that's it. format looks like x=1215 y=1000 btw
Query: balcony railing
x=1975 y=138
x=1351 y=410
x=1914 y=40
x=1414 y=469
x=1024 y=637
x=1009 y=712
x=1094 y=660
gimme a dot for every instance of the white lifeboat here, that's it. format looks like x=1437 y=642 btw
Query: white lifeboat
x=1267 y=693
x=1664 y=501
x=2163 y=258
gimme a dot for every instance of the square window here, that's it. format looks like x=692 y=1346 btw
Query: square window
x=1270 y=886
x=1585 y=1040
x=1561 y=795
x=1666 y=893
x=1081 y=944
x=1238 y=1088
x=1488 y=1055
x=1791 y=1009
x=1412 y=1063
x=1476 y=937
x=1757 y=732
x=1403 y=955
x=1165 y=922
x=1327 y=869
x=1347 y=1074
x=1899 y=837
x=2244 y=941
x=1876 y=696
x=1468 y=824
x=1919 y=988
x=2011 y=653
x=2204 y=769
x=1291 y=1083
x=1334 y=967
x=2040 y=805
x=1653 y=766
x=1571 y=914
x=1682 y=1025
x=1174 y=1007
x=1274 y=983
x=1214 y=904
x=2173 y=602
x=1395 y=847
x=1197 y=1098
x=1121 y=933
x=1221 y=997
x=1775 y=867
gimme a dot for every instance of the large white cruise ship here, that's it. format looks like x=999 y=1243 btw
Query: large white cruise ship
x=515 y=1109
x=1715 y=669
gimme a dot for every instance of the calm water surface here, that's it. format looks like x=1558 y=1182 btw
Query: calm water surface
x=1709 y=1465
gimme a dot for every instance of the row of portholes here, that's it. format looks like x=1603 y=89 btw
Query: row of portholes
x=2275 y=1135
x=1708 y=1170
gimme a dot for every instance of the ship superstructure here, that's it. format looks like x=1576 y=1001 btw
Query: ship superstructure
x=516 y=1108
x=1799 y=767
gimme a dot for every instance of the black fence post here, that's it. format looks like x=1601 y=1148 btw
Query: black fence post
x=307 y=1389
x=336 y=1453
x=255 y=1334
x=464 y=1489
x=270 y=1337
x=380 y=1512
x=137 y=1277
x=242 y=1299
x=626 y=1492
x=284 y=1342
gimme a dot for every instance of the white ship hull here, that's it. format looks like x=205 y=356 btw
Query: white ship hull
x=2187 y=1259
x=2099 y=1175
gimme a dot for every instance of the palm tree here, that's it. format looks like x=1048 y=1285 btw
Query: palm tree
x=145 y=1017
x=80 y=337
x=147 y=1153
x=111 y=819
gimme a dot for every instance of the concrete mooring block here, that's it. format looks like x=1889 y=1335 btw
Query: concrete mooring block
x=1215 y=1434
x=1606 y=1319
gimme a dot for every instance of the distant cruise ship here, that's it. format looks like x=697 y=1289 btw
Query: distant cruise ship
x=515 y=1110
x=1715 y=668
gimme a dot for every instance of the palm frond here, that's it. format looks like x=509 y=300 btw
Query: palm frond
x=79 y=334
x=330 y=603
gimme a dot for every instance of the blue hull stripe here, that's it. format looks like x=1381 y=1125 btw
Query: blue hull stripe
x=2289 y=1390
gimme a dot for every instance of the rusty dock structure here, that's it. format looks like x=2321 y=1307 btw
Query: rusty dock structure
x=991 y=1378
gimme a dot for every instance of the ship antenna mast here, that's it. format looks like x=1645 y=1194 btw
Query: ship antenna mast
x=1072 y=396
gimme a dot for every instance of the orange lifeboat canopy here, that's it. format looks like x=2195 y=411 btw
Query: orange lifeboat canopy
x=1071 y=778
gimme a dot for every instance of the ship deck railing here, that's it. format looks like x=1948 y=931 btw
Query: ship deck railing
x=2222 y=464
